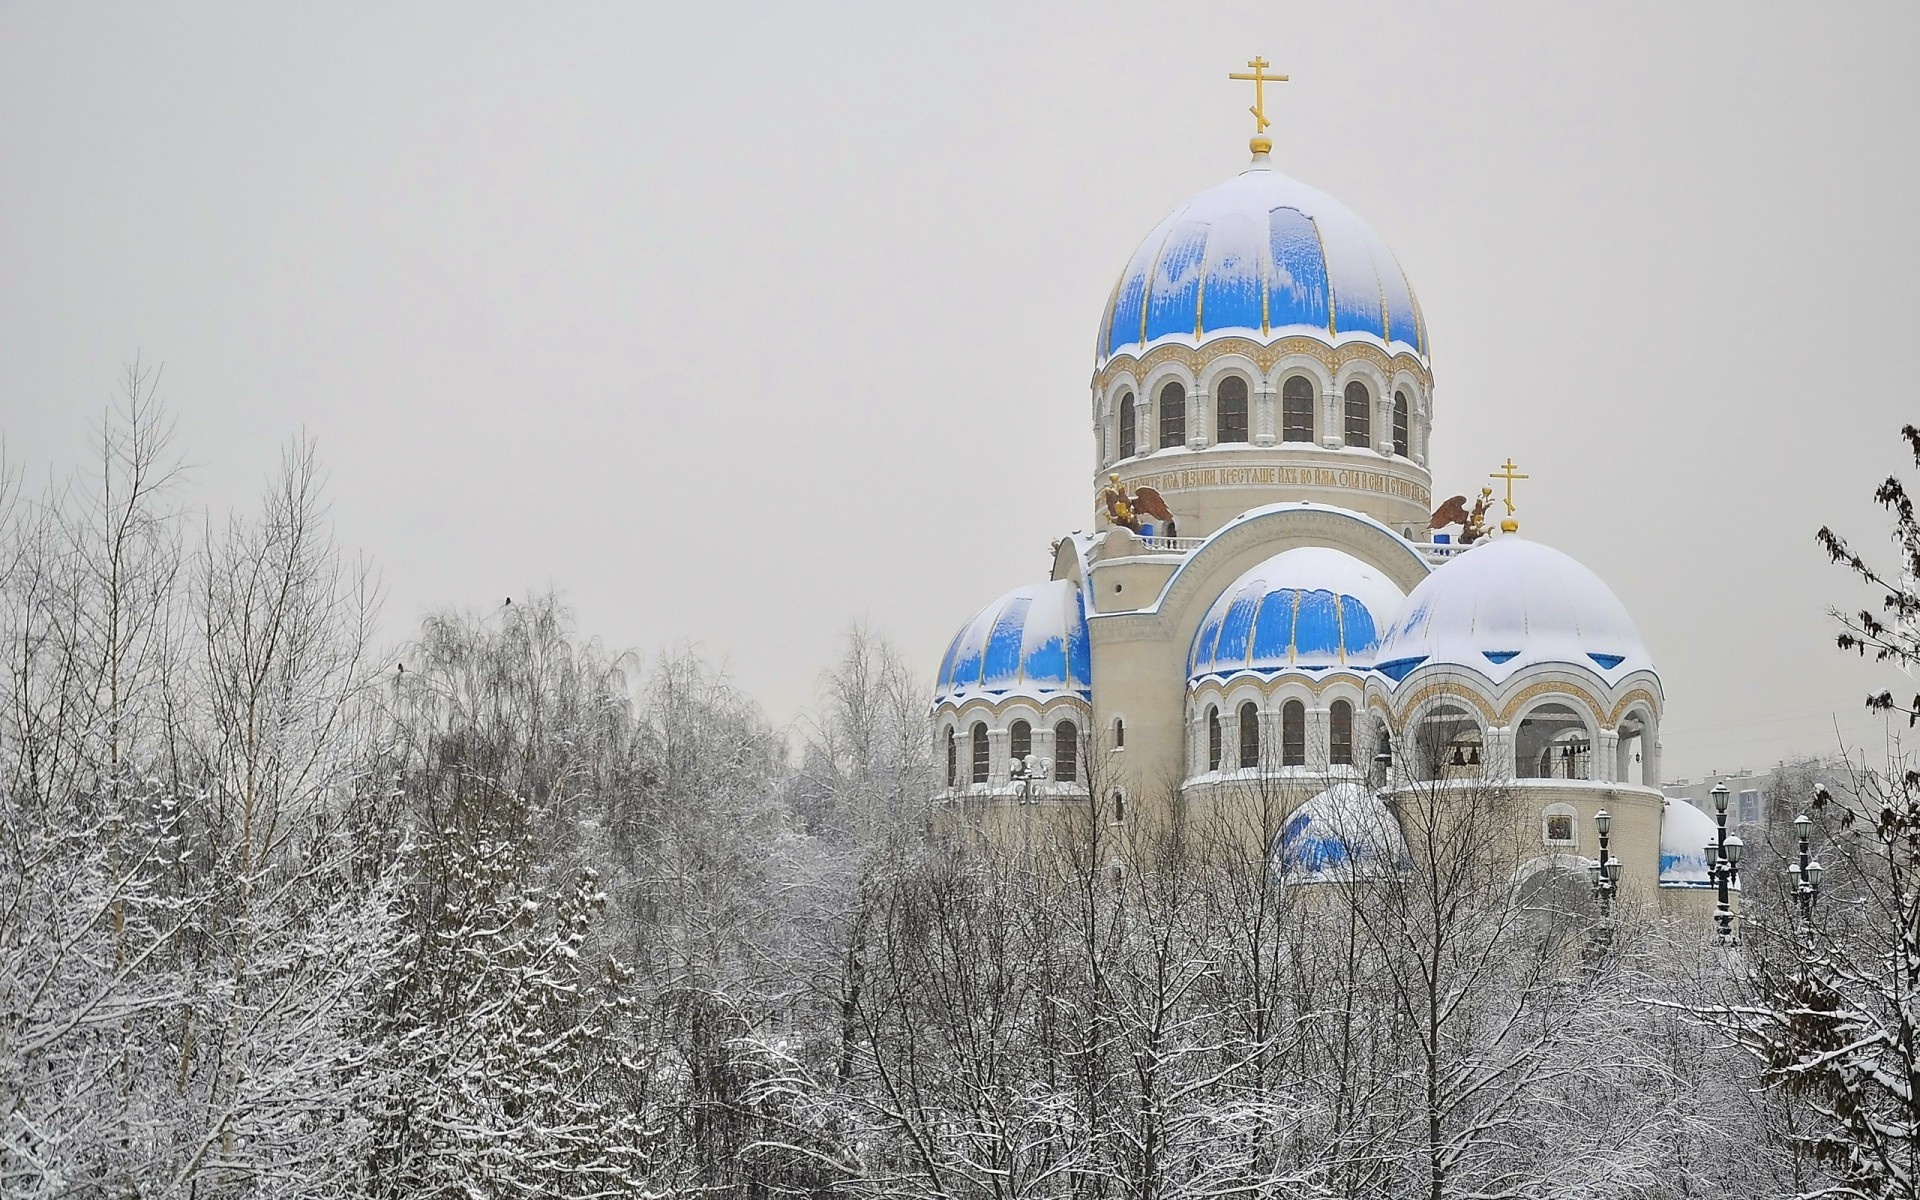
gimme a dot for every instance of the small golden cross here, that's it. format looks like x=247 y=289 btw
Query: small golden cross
x=1507 y=473
x=1260 y=80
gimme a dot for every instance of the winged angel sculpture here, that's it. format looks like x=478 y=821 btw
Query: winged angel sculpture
x=1473 y=524
x=1125 y=511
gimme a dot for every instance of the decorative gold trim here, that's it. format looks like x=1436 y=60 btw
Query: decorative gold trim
x=1626 y=702
x=1333 y=322
x=1526 y=695
x=1315 y=686
x=1265 y=356
x=1449 y=690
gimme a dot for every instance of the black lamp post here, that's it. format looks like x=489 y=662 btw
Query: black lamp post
x=1605 y=874
x=1806 y=872
x=1723 y=865
x=1027 y=771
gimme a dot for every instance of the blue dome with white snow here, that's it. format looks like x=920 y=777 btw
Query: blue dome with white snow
x=1260 y=255
x=1684 y=834
x=1310 y=608
x=1030 y=642
x=1343 y=833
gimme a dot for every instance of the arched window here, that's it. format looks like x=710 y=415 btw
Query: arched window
x=1447 y=742
x=1173 y=416
x=1119 y=734
x=1230 y=407
x=1128 y=426
x=1119 y=807
x=1296 y=409
x=1551 y=742
x=953 y=758
x=1359 y=415
x=979 y=739
x=1249 y=735
x=1400 y=419
x=1213 y=738
x=1020 y=740
x=1293 y=734
x=1340 y=734
x=1066 y=752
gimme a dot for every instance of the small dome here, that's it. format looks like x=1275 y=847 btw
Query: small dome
x=1508 y=604
x=1343 y=833
x=1309 y=608
x=1684 y=834
x=1260 y=255
x=1030 y=642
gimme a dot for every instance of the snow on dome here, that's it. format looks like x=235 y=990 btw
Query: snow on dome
x=1261 y=254
x=1508 y=604
x=1030 y=642
x=1343 y=833
x=1307 y=608
x=1684 y=834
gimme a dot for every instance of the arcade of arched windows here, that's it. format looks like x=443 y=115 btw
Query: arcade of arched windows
x=1558 y=733
x=1234 y=404
x=1257 y=726
x=977 y=747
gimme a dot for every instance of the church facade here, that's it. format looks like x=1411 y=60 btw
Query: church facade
x=1262 y=607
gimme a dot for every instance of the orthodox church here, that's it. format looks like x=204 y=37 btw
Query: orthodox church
x=1268 y=603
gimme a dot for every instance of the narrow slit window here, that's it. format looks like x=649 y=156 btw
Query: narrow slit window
x=1066 y=752
x=1249 y=735
x=1340 y=734
x=1296 y=409
x=1293 y=734
x=1230 y=403
x=1173 y=416
x=1213 y=739
x=1359 y=415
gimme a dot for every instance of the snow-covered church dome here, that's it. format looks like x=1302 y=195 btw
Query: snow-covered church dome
x=1343 y=833
x=1030 y=642
x=1259 y=255
x=1312 y=607
x=1684 y=834
x=1510 y=604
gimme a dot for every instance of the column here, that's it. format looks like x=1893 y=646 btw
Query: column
x=1319 y=738
x=1497 y=752
x=1333 y=427
x=1265 y=419
x=1197 y=423
x=998 y=762
x=1383 y=425
x=1606 y=756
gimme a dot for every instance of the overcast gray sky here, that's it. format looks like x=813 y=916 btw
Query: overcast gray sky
x=738 y=322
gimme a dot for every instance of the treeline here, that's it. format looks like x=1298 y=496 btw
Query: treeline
x=507 y=914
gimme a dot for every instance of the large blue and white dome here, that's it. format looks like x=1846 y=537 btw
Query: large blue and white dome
x=1262 y=254
x=1509 y=604
x=1309 y=608
x=1030 y=642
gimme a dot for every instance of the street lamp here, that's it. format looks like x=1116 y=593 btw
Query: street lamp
x=1027 y=771
x=1806 y=872
x=1723 y=865
x=1605 y=877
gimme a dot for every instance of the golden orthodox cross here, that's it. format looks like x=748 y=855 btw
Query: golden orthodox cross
x=1507 y=473
x=1260 y=80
